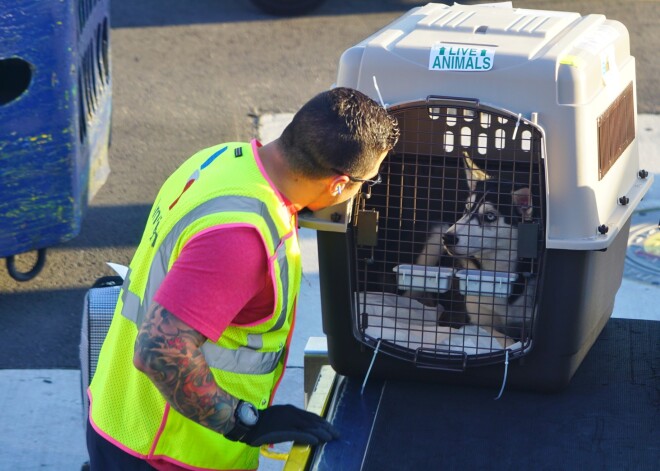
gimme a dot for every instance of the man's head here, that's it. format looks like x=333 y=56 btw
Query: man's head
x=339 y=132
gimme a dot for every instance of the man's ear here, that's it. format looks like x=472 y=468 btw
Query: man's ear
x=522 y=200
x=337 y=184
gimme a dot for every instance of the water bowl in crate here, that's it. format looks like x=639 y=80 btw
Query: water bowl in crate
x=423 y=278
x=485 y=283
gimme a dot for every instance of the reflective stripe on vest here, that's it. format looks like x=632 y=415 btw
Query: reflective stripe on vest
x=244 y=360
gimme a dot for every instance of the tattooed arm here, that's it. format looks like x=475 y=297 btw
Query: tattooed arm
x=168 y=351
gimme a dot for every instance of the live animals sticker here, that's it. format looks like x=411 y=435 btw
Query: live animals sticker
x=461 y=57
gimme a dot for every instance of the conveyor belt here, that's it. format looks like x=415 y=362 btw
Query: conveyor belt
x=608 y=418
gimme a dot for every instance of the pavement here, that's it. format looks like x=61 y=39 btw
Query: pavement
x=42 y=410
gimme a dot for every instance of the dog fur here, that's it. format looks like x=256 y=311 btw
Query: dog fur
x=485 y=238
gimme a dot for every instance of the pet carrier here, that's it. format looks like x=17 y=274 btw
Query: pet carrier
x=55 y=105
x=497 y=238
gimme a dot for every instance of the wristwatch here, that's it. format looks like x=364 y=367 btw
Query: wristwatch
x=246 y=416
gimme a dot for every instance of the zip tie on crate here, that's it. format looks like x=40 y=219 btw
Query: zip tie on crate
x=506 y=371
x=380 y=97
x=373 y=359
x=515 y=131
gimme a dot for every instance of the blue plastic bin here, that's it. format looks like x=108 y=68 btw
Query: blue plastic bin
x=55 y=108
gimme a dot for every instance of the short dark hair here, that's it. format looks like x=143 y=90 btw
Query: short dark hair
x=339 y=129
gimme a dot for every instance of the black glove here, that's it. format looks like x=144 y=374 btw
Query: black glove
x=287 y=423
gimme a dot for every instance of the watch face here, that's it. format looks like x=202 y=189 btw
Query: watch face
x=247 y=414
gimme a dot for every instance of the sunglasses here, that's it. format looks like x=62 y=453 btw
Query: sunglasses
x=373 y=182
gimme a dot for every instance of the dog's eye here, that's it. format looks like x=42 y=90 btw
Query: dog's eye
x=490 y=216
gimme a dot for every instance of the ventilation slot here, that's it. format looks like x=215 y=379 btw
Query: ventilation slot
x=616 y=130
x=93 y=73
x=85 y=8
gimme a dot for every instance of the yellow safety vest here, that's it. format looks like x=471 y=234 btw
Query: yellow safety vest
x=222 y=185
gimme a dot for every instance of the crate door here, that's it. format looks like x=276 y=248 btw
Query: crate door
x=449 y=248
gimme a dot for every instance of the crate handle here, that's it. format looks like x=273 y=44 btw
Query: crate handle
x=27 y=275
x=435 y=100
x=419 y=362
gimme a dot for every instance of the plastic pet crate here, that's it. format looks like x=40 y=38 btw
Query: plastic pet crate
x=55 y=106
x=515 y=177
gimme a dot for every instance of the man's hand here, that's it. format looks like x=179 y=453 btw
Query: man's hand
x=287 y=423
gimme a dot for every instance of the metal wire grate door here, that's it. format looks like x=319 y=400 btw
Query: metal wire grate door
x=449 y=248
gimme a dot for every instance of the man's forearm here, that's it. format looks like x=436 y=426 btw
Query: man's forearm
x=168 y=351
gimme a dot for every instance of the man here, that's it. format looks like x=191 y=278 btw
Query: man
x=198 y=342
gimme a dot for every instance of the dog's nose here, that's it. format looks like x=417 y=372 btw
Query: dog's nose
x=449 y=239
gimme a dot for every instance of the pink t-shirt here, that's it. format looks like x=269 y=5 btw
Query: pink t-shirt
x=220 y=278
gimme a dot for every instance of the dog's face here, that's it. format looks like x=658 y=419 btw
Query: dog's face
x=490 y=220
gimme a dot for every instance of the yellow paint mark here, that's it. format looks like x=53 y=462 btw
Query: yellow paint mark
x=571 y=60
x=273 y=455
x=319 y=401
x=652 y=244
x=41 y=137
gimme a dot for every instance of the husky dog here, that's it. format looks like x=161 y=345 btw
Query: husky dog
x=486 y=238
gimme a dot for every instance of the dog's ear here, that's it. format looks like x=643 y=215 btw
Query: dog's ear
x=473 y=173
x=522 y=200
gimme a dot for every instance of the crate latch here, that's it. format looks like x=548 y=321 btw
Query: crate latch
x=367 y=227
x=528 y=240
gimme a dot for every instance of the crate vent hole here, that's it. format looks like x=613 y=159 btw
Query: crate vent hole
x=482 y=143
x=466 y=136
x=451 y=116
x=500 y=138
x=485 y=120
x=15 y=77
x=449 y=141
x=526 y=142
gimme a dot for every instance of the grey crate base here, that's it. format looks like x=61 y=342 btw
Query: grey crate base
x=567 y=326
